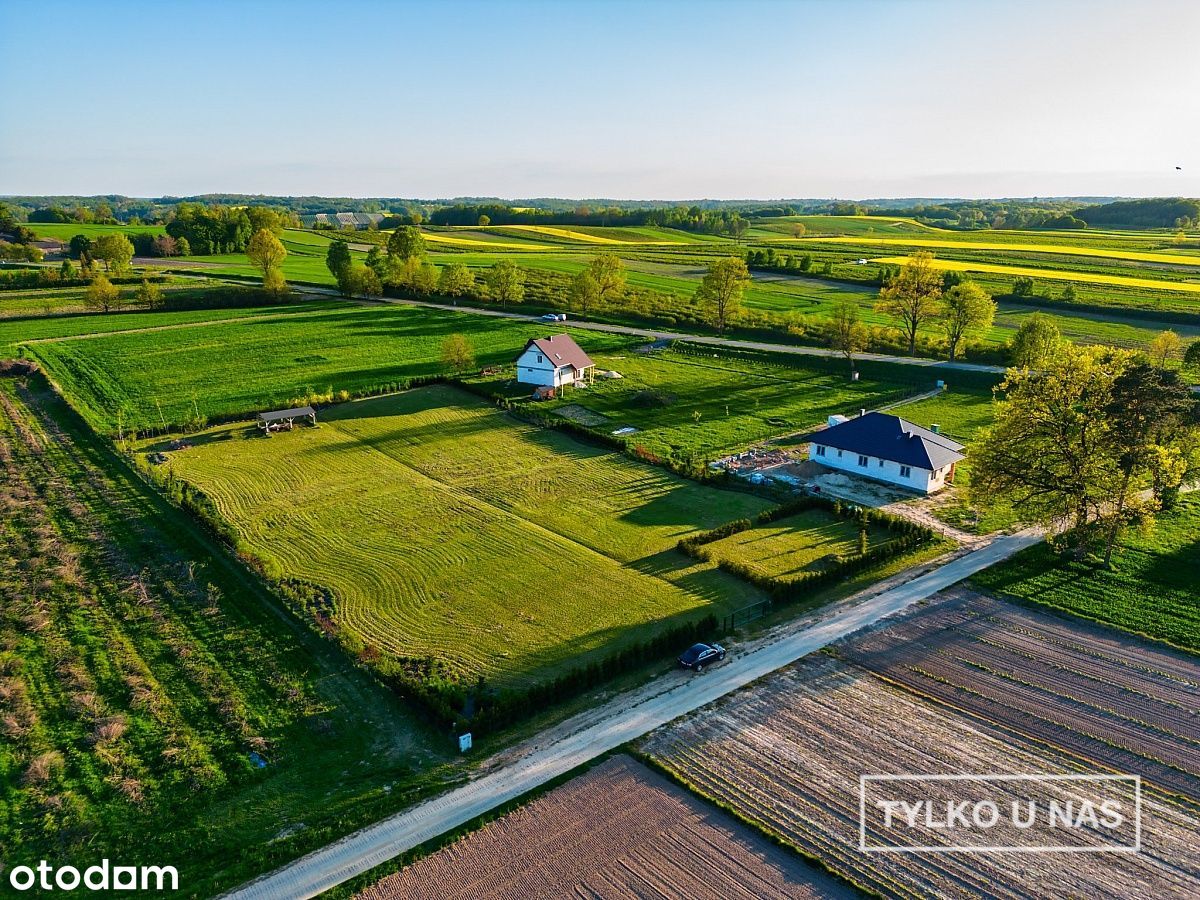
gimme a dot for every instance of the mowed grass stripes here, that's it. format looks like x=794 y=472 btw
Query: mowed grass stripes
x=445 y=528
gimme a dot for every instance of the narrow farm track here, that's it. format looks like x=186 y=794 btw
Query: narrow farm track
x=625 y=718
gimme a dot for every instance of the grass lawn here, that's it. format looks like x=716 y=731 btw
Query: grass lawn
x=64 y=231
x=237 y=369
x=961 y=414
x=695 y=407
x=141 y=667
x=793 y=545
x=15 y=331
x=443 y=527
x=1152 y=588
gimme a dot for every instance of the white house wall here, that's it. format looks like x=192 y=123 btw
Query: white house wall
x=885 y=470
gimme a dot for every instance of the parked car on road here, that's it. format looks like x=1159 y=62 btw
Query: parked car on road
x=698 y=656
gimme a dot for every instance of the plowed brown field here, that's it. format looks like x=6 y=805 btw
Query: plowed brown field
x=618 y=831
x=789 y=752
x=1127 y=704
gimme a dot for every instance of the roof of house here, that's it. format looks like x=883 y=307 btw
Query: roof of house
x=892 y=438
x=561 y=350
x=287 y=414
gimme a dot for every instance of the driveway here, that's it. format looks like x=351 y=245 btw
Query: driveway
x=623 y=719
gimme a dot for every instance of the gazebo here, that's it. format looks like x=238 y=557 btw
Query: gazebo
x=285 y=418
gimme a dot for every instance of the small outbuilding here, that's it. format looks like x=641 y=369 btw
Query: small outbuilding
x=554 y=361
x=284 y=419
x=887 y=448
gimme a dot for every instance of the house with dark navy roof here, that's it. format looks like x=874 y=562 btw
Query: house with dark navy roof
x=887 y=448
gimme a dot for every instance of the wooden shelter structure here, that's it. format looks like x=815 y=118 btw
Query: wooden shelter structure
x=285 y=418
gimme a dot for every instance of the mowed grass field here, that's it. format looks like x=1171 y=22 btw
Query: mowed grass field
x=140 y=667
x=794 y=545
x=157 y=379
x=1152 y=589
x=696 y=406
x=444 y=528
x=64 y=231
x=15 y=331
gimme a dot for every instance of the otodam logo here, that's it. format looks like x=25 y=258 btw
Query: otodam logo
x=1000 y=813
x=101 y=877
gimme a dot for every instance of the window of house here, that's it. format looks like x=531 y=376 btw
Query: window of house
x=539 y=357
x=905 y=471
x=862 y=460
x=820 y=451
x=881 y=464
x=839 y=454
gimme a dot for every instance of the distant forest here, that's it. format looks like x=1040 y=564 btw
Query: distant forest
x=712 y=216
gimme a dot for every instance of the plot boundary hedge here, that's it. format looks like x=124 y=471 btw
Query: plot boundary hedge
x=787 y=589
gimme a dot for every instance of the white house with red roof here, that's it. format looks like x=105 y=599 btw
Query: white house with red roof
x=554 y=361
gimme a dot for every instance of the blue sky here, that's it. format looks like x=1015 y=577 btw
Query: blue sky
x=662 y=100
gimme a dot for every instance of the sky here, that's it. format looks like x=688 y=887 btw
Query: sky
x=657 y=99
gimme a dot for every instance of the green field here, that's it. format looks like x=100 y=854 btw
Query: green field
x=694 y=406
x=15 y=331
x=1151 y=588
x=792 y=546
x=151 y=379
x=64 y=231
x=140 y=666
x=441 y=527
x=962 y=414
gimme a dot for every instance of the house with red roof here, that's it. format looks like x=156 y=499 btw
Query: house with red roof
x=553 y=362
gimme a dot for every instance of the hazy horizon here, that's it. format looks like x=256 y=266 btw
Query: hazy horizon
x=612 y=100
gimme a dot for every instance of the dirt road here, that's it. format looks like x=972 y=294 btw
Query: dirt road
x=625 y=718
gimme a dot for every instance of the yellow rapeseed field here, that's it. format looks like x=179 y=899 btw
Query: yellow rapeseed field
x=1178 y=259
x=1051 y=274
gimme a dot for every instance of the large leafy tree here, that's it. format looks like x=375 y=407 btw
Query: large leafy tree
x=722 y=289
x=457 y=353
x=848 y=335
x=115 y=251
x=377 y=262
x=608 y=272
x=1076 y=440
x=1164 y=347
x=455 y=280
x=1036 y=342
x=1153 y=417
x=338 y=260
x=405 y=243
x=506 y=282
x=266 y=251
x=102 y=295
x=966 y=309
x=912 y=296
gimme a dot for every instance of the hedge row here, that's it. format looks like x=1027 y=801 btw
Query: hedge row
x=909 y=535
x=788 y=589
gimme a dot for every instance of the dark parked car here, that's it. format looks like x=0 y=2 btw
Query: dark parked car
x=698 y=656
